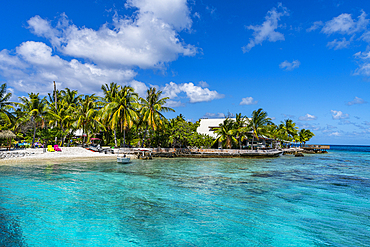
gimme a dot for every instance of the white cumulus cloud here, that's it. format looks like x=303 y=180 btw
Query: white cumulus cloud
x=214 y=115
x=174 y=103
x=364 y=64
x=339 y=115
x=139 y=87
x=267 y=31
x=307 y=117
x=248 y=101
x=338 y=44
x=336 y=133
x=33 y=69
x=173 y=12
x=194 y=93
x=316 y=25
x=146 y=42
x=344 y=24
x=148 y=39
x=290 y=66
x=357 y=100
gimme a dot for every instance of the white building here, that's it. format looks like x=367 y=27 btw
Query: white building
x=208 y=126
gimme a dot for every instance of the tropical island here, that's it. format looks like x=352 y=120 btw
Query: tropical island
x=123 y=119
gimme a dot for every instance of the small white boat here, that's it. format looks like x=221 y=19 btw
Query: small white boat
x=123 y=159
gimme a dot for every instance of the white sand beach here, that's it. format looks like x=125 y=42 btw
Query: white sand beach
x=32 y=155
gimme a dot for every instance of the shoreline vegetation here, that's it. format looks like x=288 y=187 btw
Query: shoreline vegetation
x=123 y=119
x=79 y=154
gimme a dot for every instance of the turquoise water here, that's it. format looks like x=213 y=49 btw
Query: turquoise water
x=316 y=200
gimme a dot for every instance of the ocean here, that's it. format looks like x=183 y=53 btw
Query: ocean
x=315 y=200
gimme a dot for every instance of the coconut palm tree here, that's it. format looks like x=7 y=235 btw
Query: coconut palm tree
x=258 y=123
x=62 y=116
x=110 y=92
x=289 y=128
x=241 y=128
x=5 y=106
x=122 y=111
x=304 y=136
x=274 y=132
x=87 y=111
x=225 y=133
x=71 y=97
x=151 y=109
x=35 y=109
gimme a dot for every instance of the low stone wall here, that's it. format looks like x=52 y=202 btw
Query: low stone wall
x=203 y=153
x=9 y=155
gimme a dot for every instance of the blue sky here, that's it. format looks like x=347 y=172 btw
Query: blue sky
x=307 y=61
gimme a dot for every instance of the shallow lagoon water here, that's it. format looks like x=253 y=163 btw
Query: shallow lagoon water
x=316 y=200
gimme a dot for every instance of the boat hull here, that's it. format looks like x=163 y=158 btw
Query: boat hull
x=123 y=160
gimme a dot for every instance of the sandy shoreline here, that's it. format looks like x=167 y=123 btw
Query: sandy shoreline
x=68 y=154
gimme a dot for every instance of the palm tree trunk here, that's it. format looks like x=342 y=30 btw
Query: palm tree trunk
x=252 y=141
x=63 y=136
x=146 y=129
x=124 y=137
x=115 y=138
x=83 y=133
x=34 y=133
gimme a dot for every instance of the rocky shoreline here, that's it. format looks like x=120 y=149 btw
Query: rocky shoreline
x=67 y=154
x=79 y=153
x=11 y=155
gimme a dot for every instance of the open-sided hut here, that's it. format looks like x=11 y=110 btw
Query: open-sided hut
x=7 y=134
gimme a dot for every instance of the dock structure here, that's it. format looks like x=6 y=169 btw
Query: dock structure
x=205 y=153
x=316 y=148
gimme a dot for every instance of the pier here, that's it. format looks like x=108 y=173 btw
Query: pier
x=200 y=153
x=316 y=148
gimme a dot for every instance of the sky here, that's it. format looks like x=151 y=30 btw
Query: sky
x=308 y=61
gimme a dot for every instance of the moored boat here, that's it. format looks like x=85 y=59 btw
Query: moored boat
x=123 y=159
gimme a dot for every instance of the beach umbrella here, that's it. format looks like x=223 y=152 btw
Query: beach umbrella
x=7 y=134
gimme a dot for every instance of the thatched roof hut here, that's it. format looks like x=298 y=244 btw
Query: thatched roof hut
x=6 y=134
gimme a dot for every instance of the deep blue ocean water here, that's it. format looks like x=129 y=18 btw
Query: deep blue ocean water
x=316 y=200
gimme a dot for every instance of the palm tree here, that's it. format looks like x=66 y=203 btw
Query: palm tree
x=71 y=97
x=258 y=123
x=151 y=109
x=122 y=111
x=87 y=113
x=274 y=132
x=225 y=133
x=63 y=116
x=5 y=106
x=240 y=128
x=289 y=129
x=35 y=109
x=51 y=97
x=304 y=136
x=110 y=92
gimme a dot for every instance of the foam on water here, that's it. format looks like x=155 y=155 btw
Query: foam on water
x=316 y=200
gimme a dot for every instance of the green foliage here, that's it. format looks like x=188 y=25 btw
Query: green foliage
x=258 y=124
x=304 y=136
x=184 y=134
x=289 y=129
x=35 y=109
x=136 y=121
x=226 y=132
x=6 y=107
